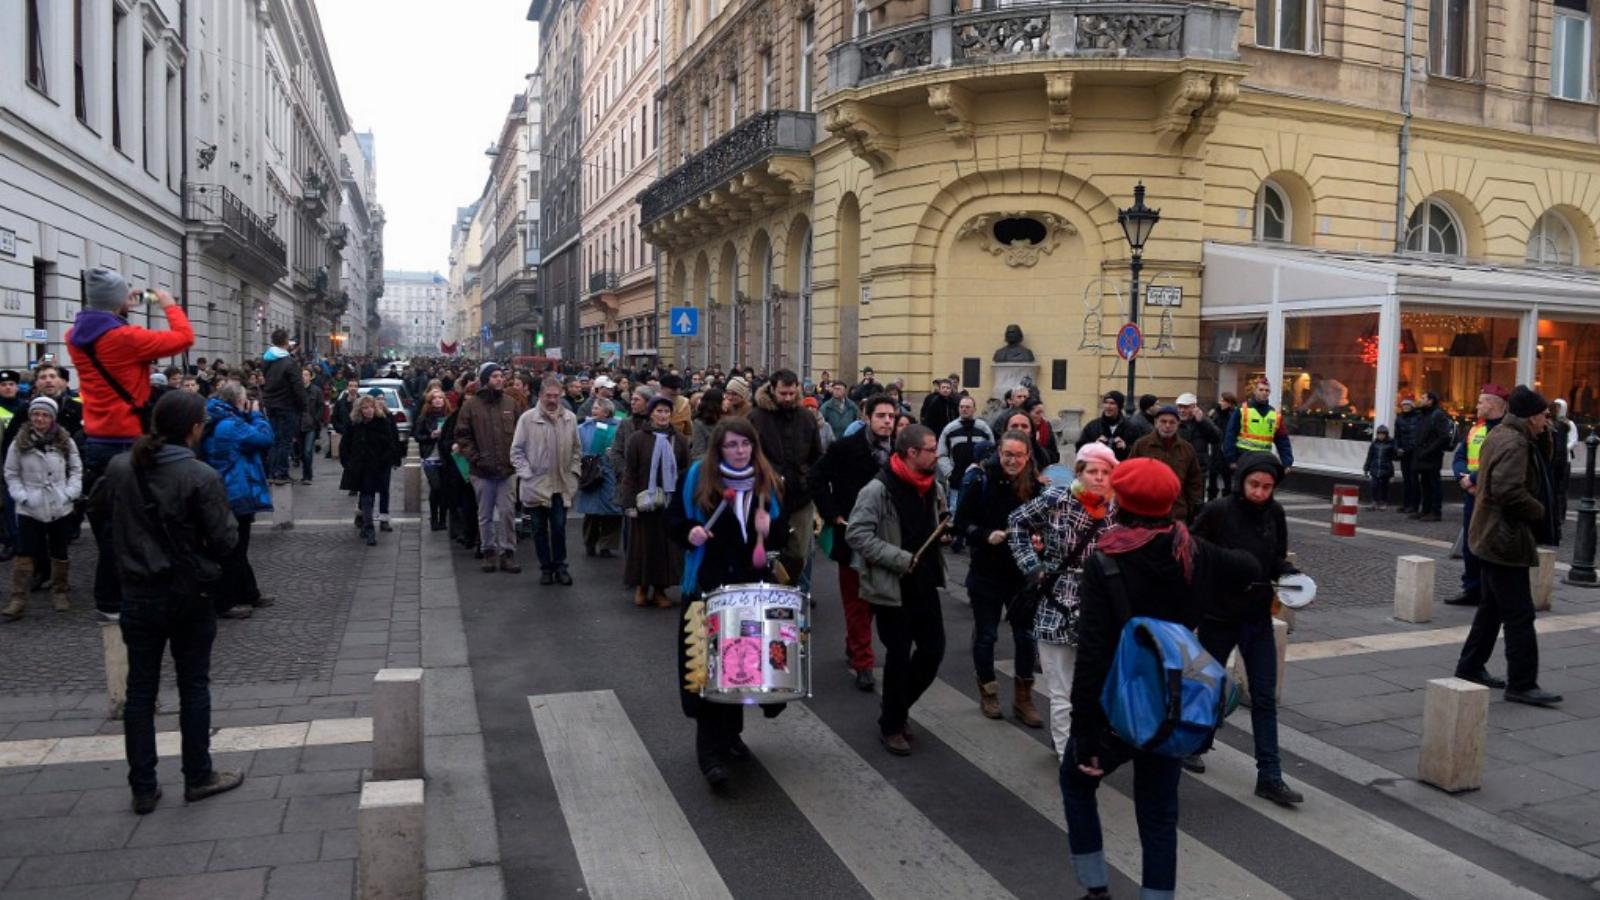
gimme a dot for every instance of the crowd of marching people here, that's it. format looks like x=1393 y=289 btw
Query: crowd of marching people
x=703 y=479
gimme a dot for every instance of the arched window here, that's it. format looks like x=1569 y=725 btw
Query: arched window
x=764 y=290
x=1273 y=220
x=805 y=305
x=1435 y=229
x=1553 y=241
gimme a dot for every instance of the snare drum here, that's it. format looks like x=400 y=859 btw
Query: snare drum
x=758 y=644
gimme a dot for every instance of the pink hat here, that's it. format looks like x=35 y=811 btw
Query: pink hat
x=1096 y=450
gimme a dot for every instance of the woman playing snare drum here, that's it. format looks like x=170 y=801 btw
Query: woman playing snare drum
x=725 y=508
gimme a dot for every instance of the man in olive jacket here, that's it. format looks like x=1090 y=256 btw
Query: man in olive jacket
x=1511 y=517
x=485 y=428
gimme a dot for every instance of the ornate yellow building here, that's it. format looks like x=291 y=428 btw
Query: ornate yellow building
x=1352 y=231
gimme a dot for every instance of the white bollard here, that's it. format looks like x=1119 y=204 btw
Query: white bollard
x=397 y=724
x=1413 y=589
x=333 y=442
x=390 y=841
x=1455 y=732
x=116 y=656
x=282 y=506
x=1284 y=612
x=411 y=488
x=1544 y=579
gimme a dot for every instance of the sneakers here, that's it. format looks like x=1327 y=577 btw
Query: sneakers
x=145 y=804
x=242 y=611
x=738 y=751
x=263 y=602
x=1430 y=517
x=1482 y=677
x=1278 y=792
x=1465 y=598
x=896 y=744
x=215 y=783
x=508 y=564
x=563 y=577
x=1533 y=697
x=1195 y=763
x=547 y=577
x=865 y=681
x=716 y=776
x=385 y=526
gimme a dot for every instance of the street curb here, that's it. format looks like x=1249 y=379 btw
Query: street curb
x=463 y=844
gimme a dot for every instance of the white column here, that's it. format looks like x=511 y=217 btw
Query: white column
x=1389 y=336
x=1275 y=347
x=1528 y=346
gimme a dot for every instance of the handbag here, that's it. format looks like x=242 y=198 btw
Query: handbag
x=650 y=500
x=591 y=472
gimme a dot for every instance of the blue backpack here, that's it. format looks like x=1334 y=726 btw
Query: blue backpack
x=1164 y=694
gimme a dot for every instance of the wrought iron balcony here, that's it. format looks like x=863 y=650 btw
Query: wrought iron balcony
x=774 y=133
x=230 y=231
x=605 y=280
x=1051 y=30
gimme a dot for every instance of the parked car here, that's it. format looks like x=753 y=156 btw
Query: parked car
x=396 y=398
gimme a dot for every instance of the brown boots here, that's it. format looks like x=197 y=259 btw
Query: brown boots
x=641 y=598
x=21 y=583
x=663 y=601
x=1022 y=704
x=60 y=596
x=989 y=699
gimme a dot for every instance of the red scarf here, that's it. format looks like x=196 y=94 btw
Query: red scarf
x=919 y=480
x=1097 y=506
x=1120 y=539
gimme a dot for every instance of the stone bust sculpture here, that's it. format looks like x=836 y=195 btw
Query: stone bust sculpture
x=1013 y=351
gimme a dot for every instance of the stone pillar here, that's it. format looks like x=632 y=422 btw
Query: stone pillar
x=1455 y=731
x=1280 y=638
x=1413 y=589
x=390 y=841
x=116 y=656
x=1544 y=579
x=397 y=724
x=411 y=488
x=282 y=506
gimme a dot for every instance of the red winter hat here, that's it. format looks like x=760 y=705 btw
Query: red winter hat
x=1495 y=390
x=1145 y=487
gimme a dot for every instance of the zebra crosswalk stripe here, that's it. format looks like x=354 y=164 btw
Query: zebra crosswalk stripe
x=885 y=841
x=631 y=836
x=1028 y=769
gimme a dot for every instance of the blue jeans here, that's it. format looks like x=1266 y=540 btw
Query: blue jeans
x=987 y=603
x=107 y=581
x=285 y=431
x=1155 y=804
x=550 y=534
x=308 y=452
x=153 y=618
x=1259 y=653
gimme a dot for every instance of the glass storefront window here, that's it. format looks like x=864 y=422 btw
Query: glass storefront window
x=1330 y=371
x=1232 y=355
x=1569 y=367
x=1454 y=356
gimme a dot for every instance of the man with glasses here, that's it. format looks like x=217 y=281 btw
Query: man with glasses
x=894 y=527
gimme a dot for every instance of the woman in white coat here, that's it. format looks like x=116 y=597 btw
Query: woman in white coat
x=44 y=476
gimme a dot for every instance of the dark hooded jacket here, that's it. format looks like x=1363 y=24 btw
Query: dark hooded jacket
x=1514 y=509
x=1260 y=530
x=790 y=441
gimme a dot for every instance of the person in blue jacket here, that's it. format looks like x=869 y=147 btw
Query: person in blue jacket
x=237 y=441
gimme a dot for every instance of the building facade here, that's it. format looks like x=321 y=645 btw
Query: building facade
x=361 y=219
x=91 y=161
x=460 y=333
x=618 y=311
x=560 y=74
x=1350 y=231
x=413 y=312
x=511 y=283
x=265 y=191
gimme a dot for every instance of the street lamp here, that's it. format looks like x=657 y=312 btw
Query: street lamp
x=1137 y=222
x=1583 y=573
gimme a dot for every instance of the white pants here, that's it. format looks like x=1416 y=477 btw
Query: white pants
x=1055 y=666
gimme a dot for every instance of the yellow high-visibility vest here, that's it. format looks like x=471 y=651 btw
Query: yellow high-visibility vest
x=1256 y=430
x=1475 y=439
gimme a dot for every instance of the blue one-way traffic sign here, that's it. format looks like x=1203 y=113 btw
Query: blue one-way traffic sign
x=685 y=321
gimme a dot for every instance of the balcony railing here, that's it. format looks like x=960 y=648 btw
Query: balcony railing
x=239 y=228
x=602 y=281
x=1093 y=30
x=776 y=132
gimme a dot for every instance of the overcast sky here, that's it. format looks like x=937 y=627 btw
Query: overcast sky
x=433 y=82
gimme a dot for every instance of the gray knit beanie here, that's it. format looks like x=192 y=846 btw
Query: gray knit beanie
x=106 y=289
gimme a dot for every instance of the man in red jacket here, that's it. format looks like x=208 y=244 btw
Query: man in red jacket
x=113 y=362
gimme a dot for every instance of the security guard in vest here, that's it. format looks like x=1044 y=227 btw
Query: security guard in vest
x=11 y=406
x=1492 y=400
x=1255 y=427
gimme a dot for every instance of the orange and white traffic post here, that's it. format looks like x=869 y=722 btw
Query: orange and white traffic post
x=1346 y=500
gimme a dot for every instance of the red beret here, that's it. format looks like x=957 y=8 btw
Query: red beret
x=1145 y=487
x=1495 y=390
x=809 y=402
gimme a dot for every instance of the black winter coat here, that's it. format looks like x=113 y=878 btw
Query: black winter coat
x=368 y=451
x=1261 y=531
x=1405 y=430
x=1155 y=588
x=939 y=411
x=835 y=481
x=193 y=507
x=986 y=506
x=282 y=388
x=1124 y=428
x=1380 y=460
x=1433 y=435
x=791 y=443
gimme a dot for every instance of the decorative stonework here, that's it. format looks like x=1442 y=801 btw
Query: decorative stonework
x=1058 y=94
x=905 y=50
x=953 y=105
x=1002 y=36
x=1017 y=254
x=761 y=30
x=859 y=126
x=1130 y=32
